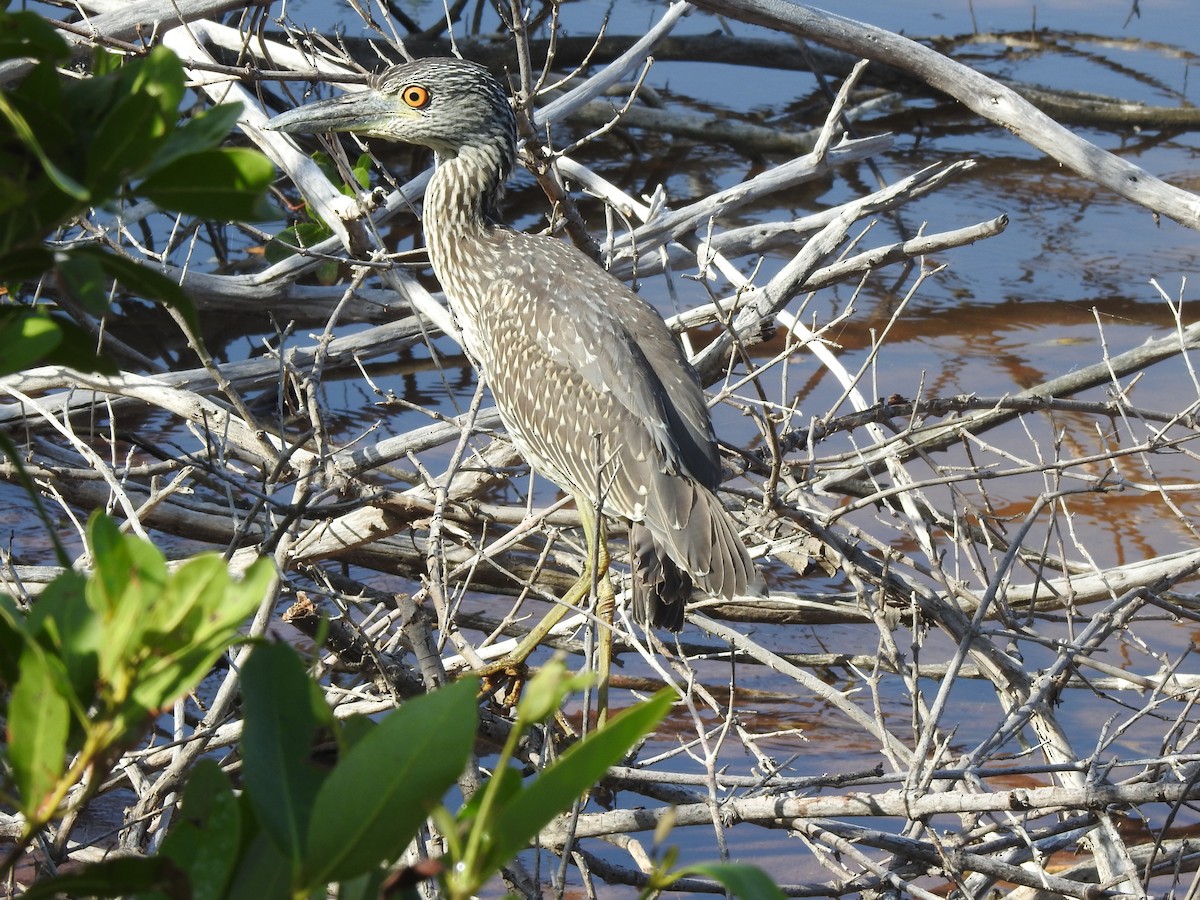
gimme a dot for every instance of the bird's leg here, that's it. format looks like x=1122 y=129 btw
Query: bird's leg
x=530 y=642
x=595 y=575
x=606 y=603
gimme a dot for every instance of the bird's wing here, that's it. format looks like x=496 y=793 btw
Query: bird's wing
x=587 y=320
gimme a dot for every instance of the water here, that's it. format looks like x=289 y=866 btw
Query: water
x=1070 y=274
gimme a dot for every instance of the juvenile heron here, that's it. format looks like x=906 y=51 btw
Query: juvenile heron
x=591 y=385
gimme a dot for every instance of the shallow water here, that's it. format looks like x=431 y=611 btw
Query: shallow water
x=1070 y=273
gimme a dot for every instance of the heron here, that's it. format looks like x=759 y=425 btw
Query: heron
x=591 y=385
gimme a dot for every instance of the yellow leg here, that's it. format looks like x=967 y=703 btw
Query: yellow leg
x=606 y=605
x=595 y=573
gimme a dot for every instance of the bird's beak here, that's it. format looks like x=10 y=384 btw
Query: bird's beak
x=362 y=112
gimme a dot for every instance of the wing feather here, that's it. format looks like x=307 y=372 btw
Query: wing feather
x=621 y=346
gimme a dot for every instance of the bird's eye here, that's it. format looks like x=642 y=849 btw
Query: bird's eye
x=415 y=96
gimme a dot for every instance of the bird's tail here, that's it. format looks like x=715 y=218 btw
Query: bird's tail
x=693 y=546
x=660 y=589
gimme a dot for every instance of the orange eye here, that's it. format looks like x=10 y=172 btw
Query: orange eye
x=415 y=96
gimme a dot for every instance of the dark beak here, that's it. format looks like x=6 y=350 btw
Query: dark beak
x=362 y=112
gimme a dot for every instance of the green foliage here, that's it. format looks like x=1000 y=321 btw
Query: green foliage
x=301 y=236
x=26 y=34
x=39 y=721
x=98 y=656
x=519 y=820
x=104 y=268
x=284 y=714
x=342 y=824
x=213 y=184
x=69 y=145
x=26 y=337
x=509 y=815
x=205 y=842
x=72 y=144
x=117 y=878
x=298 y=827
x=379 y=795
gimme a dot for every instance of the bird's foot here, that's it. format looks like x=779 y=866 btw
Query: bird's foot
x=502 y=681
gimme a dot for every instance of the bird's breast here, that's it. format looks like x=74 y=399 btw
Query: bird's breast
x=470 y=276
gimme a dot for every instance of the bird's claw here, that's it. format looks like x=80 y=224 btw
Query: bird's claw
x=501 y=682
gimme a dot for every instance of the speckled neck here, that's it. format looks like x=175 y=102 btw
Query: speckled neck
x=461 y=220
x=467 y=187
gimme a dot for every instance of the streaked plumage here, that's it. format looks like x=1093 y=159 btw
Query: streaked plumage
x=586 y=375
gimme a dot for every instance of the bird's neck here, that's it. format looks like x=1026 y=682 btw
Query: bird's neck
x=460 y=216
x=464 y=194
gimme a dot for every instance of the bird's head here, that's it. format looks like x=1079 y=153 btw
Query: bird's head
x=442 y=103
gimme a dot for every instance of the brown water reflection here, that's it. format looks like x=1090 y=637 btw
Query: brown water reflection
x=1065 y=283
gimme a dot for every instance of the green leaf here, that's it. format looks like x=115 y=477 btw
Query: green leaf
x=12 y=641
x=283 y=711
x=373 y=802
x=159 y=633
x=39 y=720
x=85 y=279
x=105 y=63
x=116 y=878
x=25 y=133
x=206 y=839
x=202 y=131
x=129 y=575
x=27 y=34
x=192 y=623
x=35 y=337
x=159 y=74
x=292 y=239
x=191 y=606
x=544 y=694
x=227 y=184
x=362 y=170
x=370 y=887
x=264 y=873
x=503 y=786
x=83 y=102
x=112 y=561
x=354 y=729
x=557 y=787
x=25 y=264
x=63 y=623
x=26 y=338
x=739 y=879
x=125 y=142
x=327 y=166
x=298 y=237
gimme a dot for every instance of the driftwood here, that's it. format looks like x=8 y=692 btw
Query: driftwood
x=411 y=523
